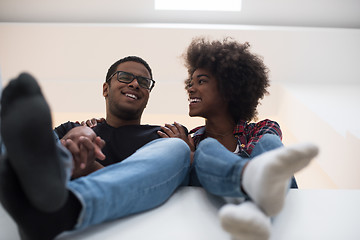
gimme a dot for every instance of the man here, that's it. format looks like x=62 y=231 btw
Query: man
x=126 y=99
x=34 y=172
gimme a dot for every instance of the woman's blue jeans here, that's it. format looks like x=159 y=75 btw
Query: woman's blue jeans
x=219 y=171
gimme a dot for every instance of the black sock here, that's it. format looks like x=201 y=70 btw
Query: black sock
x=26 y=129
x=32 y=223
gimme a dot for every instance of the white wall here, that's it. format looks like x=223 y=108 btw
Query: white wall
x=71 y=60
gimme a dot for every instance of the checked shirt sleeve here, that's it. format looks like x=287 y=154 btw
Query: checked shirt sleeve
x=251 y=133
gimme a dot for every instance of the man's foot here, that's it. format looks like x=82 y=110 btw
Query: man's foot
x=245 y=221
x=26 y=129
x=266 y=178
x=32 y=223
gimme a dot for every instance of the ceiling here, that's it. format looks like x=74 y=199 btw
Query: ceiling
x=302 y=13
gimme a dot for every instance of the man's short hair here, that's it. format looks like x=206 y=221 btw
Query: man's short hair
x=113 y=67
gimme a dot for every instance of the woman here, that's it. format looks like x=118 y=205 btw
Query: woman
x=232 y=157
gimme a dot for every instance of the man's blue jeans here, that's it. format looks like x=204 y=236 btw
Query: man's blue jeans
x=141 y=182
x=219 y=171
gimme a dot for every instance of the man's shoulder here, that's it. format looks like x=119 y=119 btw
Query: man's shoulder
x=62 y=129
x=143 y=127
x=149 y=126
x=103 y=126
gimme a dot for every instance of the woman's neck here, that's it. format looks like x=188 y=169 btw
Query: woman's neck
x=222 y=130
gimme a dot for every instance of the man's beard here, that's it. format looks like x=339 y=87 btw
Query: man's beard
x=125 y=113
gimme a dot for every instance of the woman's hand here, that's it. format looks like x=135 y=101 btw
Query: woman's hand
x=92 y=122
x=176 y=130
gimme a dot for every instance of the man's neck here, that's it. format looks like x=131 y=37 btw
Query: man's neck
x=116 y=122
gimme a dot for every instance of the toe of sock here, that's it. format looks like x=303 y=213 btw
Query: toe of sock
x=24 y=85
x=312 y=149
x=245 y=221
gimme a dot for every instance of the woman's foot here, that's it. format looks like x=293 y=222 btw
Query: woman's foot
x=245 y=221
x=266 y=178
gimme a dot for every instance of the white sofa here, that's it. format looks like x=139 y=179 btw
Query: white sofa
x=191 y=213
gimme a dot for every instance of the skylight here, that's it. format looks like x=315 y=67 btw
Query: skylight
x=198 y=5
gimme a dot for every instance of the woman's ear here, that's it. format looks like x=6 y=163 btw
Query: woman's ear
x=105 y=89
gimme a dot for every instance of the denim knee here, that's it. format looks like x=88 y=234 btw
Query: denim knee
x=209 y=144
x=177 y=148
x=178 y=145
x=266 y=143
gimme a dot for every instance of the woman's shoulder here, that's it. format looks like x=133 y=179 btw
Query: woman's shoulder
x=265 y=126
x=267 y=122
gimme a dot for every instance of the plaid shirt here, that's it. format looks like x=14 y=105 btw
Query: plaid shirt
x=247 y=134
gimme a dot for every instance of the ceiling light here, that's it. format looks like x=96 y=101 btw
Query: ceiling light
x=198 y=5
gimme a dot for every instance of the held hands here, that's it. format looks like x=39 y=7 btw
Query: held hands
x=85 y=147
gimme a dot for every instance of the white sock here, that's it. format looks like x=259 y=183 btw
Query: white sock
x=266 y=178
x=245 y=221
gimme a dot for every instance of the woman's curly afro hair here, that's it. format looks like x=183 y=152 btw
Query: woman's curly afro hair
x=242 y=76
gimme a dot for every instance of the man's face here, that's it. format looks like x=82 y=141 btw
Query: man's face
x=127 y=101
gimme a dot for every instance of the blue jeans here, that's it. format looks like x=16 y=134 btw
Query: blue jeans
x=141 y=182
x=219 y=171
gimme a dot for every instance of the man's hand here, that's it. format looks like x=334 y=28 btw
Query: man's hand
x=85 y=147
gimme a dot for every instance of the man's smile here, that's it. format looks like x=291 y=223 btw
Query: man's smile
x=131 y=95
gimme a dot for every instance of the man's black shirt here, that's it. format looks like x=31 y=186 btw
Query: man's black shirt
x=121 y=142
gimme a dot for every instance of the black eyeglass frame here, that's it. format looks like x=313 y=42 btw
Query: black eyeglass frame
x=133 y=77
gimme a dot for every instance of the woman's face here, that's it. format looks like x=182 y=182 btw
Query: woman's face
x=204 y=96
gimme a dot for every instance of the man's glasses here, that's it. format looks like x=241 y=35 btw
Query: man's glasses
x=126 y=77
